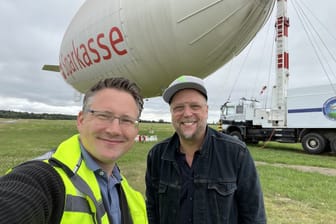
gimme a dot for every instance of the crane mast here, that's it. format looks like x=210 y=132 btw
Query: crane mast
x=279 y=104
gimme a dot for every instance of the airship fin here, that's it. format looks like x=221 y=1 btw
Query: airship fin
x=53 y=68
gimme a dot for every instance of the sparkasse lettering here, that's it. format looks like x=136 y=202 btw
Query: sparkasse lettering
x=93 y=51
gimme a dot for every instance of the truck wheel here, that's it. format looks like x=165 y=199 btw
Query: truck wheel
x=333 y=145
x=313 y=143
x=236 y=134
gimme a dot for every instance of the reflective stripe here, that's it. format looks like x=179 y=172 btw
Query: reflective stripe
x=82 y=186
x=76 y=204
x=79 y=204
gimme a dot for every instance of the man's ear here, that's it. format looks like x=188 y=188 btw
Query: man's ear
x=80 y=119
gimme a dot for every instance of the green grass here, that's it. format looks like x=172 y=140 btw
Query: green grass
x=275 y=152
x=26 y=139
x=291 y=196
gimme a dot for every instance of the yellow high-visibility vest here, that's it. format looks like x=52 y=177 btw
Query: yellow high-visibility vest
x=83 y=199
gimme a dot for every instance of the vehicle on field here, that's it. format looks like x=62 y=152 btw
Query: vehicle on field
x=309 y=117
x=306 y=115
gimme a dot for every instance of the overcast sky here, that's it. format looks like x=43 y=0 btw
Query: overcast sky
x=32 y=33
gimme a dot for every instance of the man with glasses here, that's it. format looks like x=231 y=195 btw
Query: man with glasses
x=200 y=176
x=80 y=182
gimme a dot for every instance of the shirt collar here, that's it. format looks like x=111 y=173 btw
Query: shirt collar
x=92 y=165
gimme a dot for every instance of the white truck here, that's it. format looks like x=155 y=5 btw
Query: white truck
x=310 y=118
x=306 y=115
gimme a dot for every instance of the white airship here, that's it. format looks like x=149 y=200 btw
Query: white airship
x=152 y=42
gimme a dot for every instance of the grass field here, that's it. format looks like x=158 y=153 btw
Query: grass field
x=291 y=196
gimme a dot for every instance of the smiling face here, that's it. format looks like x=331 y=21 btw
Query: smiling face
x=189 y=111
x=103 y=137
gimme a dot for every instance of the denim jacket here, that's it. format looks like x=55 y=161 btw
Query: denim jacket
x=227 y=187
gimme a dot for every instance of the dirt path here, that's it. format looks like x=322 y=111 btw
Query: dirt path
x=313 y=169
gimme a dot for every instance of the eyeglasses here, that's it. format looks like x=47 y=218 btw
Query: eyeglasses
x=105 y=116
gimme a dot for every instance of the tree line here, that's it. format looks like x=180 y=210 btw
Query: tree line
x=27 y=115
